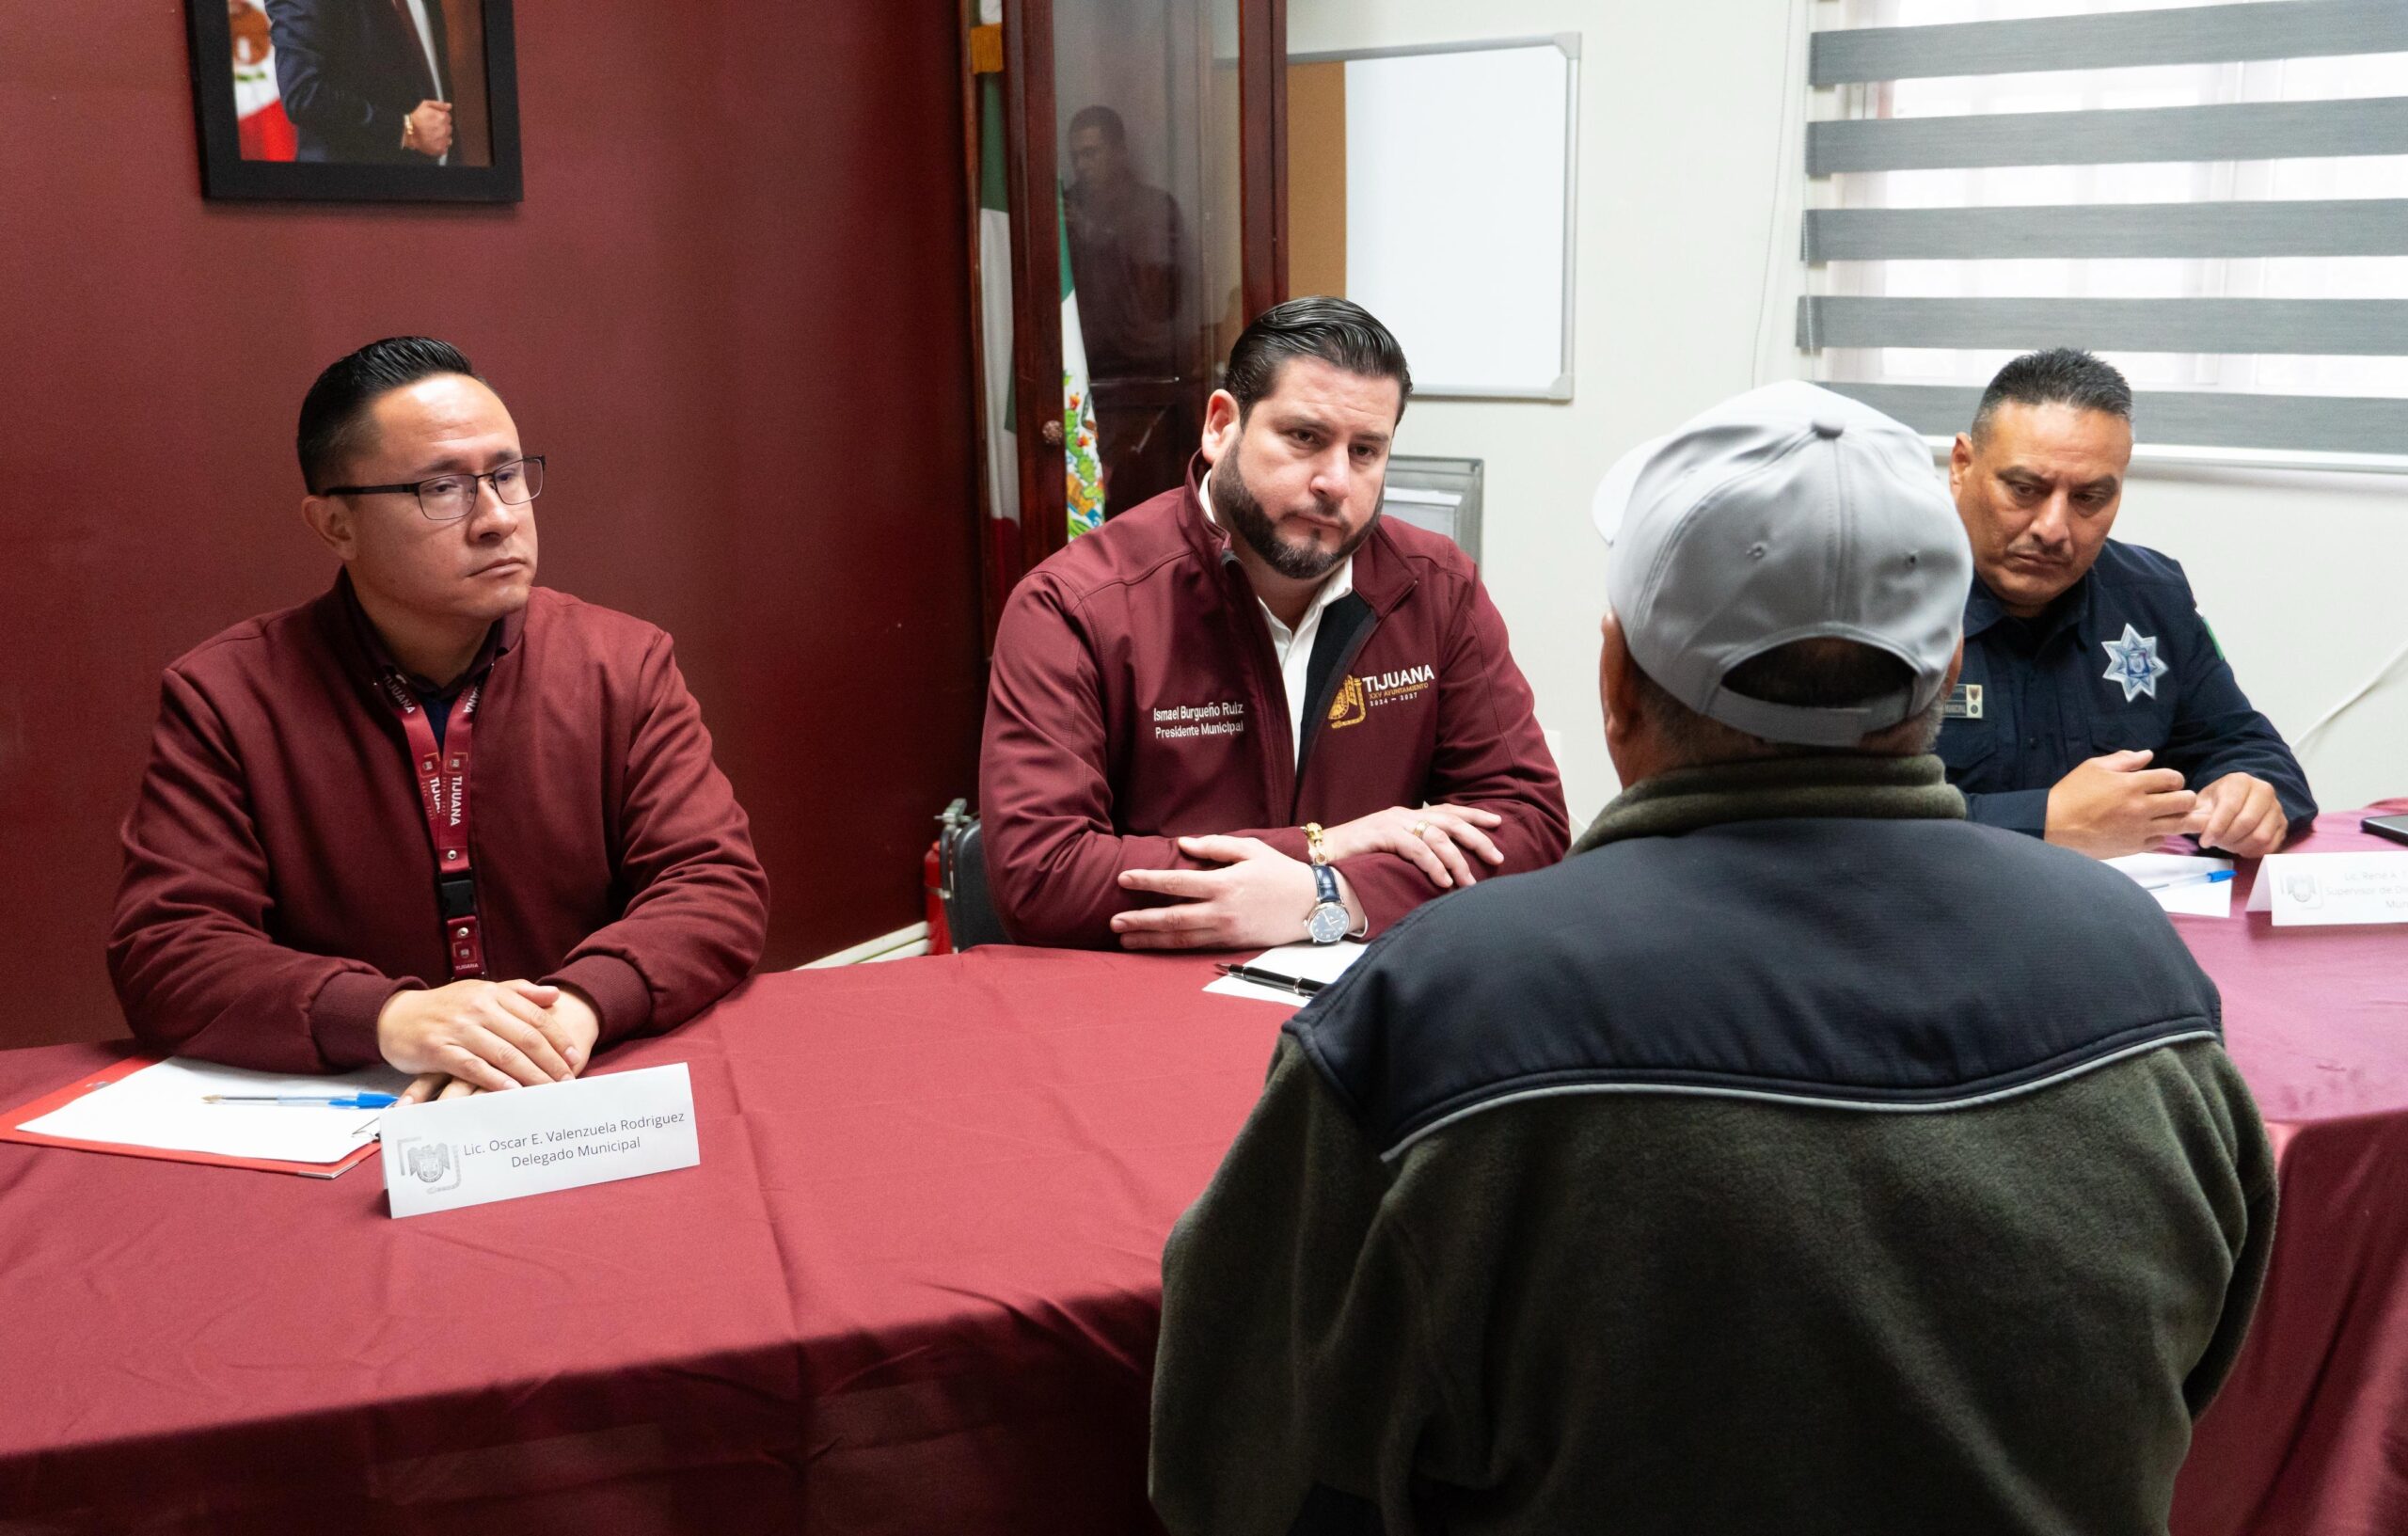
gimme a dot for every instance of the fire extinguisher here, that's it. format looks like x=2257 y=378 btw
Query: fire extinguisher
x=936 y=874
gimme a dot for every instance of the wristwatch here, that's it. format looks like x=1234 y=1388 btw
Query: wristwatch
x=1327 y=922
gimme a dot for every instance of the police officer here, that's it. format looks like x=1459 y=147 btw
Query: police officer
x=2095 y=708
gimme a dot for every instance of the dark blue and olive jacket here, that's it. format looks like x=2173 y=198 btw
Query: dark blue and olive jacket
x=1795 y=1157
x=2122 y=661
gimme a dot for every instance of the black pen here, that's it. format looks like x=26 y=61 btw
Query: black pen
x=1301 y=986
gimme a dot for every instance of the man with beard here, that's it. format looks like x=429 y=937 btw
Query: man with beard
x=1250 y=711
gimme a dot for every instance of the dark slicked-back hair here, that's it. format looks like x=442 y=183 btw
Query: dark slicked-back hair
x=1340 y=334
x=334 y=414
x=2059 y=376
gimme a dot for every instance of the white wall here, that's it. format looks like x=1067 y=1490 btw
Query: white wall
x=1682 y=108
x=1691 y=176
x=2300 y=576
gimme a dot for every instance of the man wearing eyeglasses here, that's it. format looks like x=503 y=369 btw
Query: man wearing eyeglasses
x=437 y=818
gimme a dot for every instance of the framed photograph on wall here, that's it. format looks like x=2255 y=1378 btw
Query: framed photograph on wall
x=378 y=101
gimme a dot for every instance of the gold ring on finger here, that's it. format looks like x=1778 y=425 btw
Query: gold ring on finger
x=1422 y=828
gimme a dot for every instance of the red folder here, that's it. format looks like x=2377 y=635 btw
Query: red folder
x=12 y=1128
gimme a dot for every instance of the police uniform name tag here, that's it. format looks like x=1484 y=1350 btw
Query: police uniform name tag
x=1964 y=703
x=532 y=1141
x=2329 y=890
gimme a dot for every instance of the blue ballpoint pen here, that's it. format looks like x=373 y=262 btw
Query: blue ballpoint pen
x=2213 y=876
x=358 y=1100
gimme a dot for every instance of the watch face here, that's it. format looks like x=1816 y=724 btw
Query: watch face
x=1328 y=923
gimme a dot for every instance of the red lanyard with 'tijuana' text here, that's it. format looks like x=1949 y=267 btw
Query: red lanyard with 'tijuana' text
x=442 y=775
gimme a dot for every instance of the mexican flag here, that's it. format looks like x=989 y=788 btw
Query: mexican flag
x=1084 y=465
x=1081 y=460
x=261 y=129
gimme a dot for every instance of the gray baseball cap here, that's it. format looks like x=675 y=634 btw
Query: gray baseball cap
x=1786 y=514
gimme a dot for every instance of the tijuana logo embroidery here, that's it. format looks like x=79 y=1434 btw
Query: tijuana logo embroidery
x=2134 y=662
x=1186 y=721
x=1358 y=696
x=1348 y=709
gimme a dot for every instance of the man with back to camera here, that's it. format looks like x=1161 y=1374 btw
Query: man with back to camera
x=1734 y=1176
x=438 y=818
x=2096 y=708
x=1181 y=700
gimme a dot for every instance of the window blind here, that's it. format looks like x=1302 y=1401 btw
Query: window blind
x=2225 y=132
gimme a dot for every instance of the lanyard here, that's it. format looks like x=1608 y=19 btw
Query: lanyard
x=442 y=775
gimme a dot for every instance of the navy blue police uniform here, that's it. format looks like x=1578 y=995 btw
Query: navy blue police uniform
x=2120 y=662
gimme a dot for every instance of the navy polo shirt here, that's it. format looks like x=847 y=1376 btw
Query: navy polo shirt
x=2120 y=662
x=437 y=702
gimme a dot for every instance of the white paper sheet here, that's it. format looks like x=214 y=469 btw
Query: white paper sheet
x=2328 y=889
x=2194 y=899
x=161 y=1106
x=1306 y=962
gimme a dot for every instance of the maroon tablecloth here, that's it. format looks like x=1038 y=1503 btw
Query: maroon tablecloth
x=2311 y=1436
x=912 y=1286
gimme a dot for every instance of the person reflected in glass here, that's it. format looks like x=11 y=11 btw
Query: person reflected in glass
x=1126 y=254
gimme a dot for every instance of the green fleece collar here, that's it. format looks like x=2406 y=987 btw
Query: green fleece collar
x=1882 y=788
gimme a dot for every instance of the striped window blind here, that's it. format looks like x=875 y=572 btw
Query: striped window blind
x=2215 y=197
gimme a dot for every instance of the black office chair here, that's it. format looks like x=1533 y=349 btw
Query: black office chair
x=970 y=915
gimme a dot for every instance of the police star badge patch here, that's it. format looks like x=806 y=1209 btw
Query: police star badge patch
x=2133 y=661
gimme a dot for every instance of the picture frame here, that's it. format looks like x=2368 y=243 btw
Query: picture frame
x=309 y=99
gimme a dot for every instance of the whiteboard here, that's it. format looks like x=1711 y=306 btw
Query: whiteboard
x=1459 y=186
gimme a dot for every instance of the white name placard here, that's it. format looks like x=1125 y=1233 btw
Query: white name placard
x=2320 y=889
x=532 y=1141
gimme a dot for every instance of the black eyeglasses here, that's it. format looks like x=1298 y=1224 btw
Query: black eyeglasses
x=447 y=499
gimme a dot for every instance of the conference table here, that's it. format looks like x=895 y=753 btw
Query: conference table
x=914 y=1284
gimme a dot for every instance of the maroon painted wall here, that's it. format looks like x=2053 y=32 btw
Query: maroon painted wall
x=731 y=309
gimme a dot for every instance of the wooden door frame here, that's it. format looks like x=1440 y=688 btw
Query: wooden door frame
x=1031 y=176
x=1262 y=152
